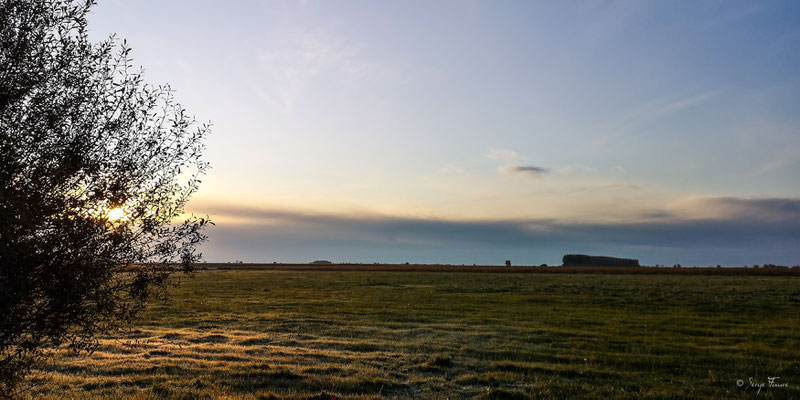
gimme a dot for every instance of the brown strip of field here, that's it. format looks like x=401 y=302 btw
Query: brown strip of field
x=766 y=271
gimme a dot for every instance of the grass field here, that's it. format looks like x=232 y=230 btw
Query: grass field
x=351 y=334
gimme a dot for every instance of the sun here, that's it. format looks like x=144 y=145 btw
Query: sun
x=116 y=214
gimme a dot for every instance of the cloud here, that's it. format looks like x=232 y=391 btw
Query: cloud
x=501 y=155
x=310 y=56
x=609 y=186
x=528 y=170
x=634 y=122
x=687 y=102
x=788 y=156
x=668 y=237
x=575 y=170
x=449 y=169
x=722 y=208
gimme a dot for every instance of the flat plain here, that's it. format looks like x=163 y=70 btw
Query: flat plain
x=405 y=334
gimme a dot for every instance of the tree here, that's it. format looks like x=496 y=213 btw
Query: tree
x=95 y=168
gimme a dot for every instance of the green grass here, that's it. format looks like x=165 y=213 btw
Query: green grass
x=289 y=334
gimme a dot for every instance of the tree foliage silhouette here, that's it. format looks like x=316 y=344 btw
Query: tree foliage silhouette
x=95 y=167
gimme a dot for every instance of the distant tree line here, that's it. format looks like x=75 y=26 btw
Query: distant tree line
x=582 y=260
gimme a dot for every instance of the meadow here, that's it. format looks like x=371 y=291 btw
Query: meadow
x=378 y=334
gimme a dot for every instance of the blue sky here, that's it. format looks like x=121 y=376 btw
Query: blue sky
x=473 y=132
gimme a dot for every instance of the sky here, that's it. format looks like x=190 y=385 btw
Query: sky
x=471 y=132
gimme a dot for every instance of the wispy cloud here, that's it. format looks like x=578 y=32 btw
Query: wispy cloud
x=501 y=155
x=528 y=170
x=574 y=170
x=635 y=121
x=293 y=68
x=309 y=55
x=788 y=157
x=449 y=169
x=687 y=102
x=609 y=186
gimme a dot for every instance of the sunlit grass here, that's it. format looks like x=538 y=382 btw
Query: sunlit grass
x=256 y=334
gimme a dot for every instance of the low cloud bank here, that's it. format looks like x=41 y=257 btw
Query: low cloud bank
x=750 y=231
